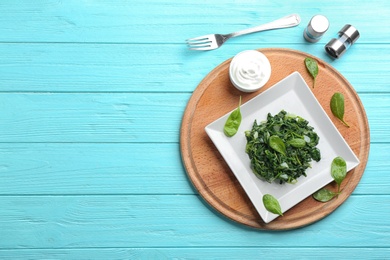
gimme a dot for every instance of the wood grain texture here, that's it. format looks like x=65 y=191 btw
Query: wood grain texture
x=212 y=177
x=96 y=117
x=120 y=169
x=91 y=99
x=123 y=117
x=105 y=168
x=144 y=221
x=173 y=21
x=61 y=67
x=200 y=253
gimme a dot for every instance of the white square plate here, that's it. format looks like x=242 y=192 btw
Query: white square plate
x=294 y=96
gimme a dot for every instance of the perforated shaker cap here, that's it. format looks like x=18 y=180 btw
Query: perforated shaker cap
x=317 y=26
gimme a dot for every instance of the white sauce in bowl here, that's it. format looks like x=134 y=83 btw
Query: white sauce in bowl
x=249 y=70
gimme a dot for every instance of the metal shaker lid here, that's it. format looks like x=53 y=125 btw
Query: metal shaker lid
x=335 y=48
x=350 y=32
x=317 y=26
x=348 y=35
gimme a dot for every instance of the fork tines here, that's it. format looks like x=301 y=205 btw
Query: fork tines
x=200 y=43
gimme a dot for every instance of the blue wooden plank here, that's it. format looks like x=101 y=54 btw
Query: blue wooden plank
x=199 y=253
x=175 y=221
x=373 y=180
x=75 y=179
x=133 y=168
x=146 y=168
x=173 y=21
x=122 y=117
x=157 y=68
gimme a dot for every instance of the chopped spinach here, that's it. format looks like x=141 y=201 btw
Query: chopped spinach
x=282 y=147
x=276 y=143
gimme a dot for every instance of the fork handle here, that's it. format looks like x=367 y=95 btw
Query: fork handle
x=285 y=22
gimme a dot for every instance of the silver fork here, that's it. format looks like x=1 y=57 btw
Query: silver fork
x=214 y=41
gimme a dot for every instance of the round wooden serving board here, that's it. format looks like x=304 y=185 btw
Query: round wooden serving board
x=211 y=176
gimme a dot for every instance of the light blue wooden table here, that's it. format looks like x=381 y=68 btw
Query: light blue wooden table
x=92 y=95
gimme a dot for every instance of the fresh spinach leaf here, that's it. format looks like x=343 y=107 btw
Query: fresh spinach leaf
x=324 y=195
x=337 y=106
x=233 y=122
x=338 y=170
x=312 y=67
x=272 y=204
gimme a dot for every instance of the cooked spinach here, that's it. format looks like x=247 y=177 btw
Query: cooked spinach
x=282 y=147
x=233 y=122
x=312 y=67
x=276 y=143
x=272 y=204
x=297 y=142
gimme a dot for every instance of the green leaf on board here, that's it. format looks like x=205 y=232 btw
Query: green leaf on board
x=312 y=67
x=324 y=195
x=233 y=122
x=337 y=106
x=272 y=204
x=338 y=170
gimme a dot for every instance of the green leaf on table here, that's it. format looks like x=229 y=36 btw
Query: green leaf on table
x=233 y=122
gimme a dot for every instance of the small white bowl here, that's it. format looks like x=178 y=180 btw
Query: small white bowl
x=249 y=70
